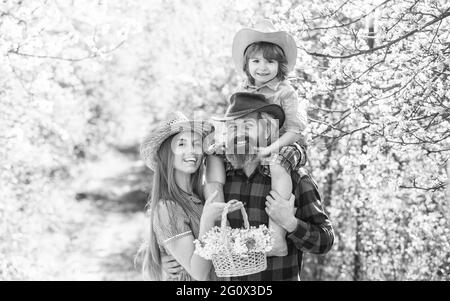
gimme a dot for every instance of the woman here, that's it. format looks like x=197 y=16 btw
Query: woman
x=177 y=214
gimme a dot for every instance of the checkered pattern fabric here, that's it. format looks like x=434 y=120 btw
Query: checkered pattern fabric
x=291 y=157
x=314 y=233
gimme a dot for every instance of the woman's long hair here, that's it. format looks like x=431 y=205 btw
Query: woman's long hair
x=165 y=188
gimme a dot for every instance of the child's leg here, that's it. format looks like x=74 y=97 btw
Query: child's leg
x=282 y=184
x=281 y=181
x=215 y=177
x=290 y=158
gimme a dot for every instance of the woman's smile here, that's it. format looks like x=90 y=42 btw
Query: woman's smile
x=191 y=159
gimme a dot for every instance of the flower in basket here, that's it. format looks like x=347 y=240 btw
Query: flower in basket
x=210 y=244
x=239 y=241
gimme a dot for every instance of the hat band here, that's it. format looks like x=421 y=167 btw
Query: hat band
x=282 y=50
x=241 y=113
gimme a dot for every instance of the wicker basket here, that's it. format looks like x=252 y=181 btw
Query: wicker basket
x=233 y=265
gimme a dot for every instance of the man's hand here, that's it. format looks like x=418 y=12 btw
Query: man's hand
x=281 y=211
x=170 y=265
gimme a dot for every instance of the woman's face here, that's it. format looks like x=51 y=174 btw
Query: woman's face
x=187 y=150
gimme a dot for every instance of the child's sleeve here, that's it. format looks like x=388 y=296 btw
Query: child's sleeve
x=294 y=110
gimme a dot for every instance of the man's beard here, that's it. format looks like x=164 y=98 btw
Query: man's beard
x=240 y=151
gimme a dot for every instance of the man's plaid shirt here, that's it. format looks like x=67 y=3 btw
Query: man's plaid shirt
x=314 y=233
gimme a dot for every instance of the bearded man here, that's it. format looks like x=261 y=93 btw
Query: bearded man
x=251 y=122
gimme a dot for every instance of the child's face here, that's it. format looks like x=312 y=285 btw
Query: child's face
x=261 y=69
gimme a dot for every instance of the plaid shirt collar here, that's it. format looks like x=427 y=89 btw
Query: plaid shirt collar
x=261 y=169
x=272 y=84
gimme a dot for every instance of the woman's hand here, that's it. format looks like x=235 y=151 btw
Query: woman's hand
x=213 y=210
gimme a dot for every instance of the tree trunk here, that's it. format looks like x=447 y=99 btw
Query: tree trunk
x=358 y=262
x=327 y=192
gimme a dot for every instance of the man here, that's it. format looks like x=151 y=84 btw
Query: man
x=247 y=180
x=250 y=119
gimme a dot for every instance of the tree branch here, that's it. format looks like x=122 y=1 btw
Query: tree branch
x=412 y=32
x=323 y=16
x=350 y=22
x=17 y=52
x=433 y=188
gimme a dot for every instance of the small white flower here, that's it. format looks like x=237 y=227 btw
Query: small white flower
x=236 y=241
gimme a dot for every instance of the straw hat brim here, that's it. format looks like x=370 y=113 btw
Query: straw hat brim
x=247 y=36
x=151 y=143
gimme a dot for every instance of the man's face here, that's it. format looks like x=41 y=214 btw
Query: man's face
x=244 y=127
x=244 y=135
x=247 y=131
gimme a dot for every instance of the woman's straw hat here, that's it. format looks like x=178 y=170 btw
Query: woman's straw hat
x=176 y=123
x=264 y=31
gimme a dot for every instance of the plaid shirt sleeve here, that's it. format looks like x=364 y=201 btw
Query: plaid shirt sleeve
x=314 y=232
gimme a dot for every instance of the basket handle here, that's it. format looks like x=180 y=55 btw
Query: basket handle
x=224 y=218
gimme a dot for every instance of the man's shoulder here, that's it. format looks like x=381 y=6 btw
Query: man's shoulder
x=304 y=179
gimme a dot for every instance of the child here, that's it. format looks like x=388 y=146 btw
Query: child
x=265 y=56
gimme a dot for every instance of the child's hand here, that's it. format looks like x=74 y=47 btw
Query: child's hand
x=264 y=152
x=215 y=148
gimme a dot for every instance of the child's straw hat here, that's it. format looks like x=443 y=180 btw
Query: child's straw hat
x=264 y=31
x=176 y=123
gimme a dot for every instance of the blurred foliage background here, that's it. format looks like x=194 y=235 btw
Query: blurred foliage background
x=81 y=82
